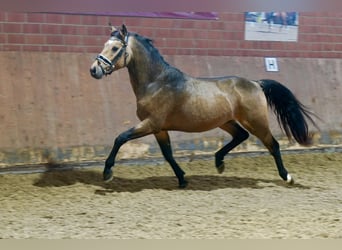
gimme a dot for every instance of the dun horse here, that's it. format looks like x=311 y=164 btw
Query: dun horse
x=168 y=99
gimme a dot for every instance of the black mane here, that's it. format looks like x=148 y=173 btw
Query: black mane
x=148 y=44
x=145 y=41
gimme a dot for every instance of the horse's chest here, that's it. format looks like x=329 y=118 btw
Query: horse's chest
x=157 y=104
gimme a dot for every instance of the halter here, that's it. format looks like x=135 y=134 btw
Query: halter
x=110 y=65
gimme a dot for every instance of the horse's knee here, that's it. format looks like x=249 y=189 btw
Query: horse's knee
x=123 y=138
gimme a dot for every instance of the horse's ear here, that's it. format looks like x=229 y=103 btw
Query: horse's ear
x=112 y=28
x=123 y=31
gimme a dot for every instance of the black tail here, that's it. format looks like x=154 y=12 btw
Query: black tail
x=290 y=112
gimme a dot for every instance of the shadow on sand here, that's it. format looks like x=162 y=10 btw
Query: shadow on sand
x=119 y=184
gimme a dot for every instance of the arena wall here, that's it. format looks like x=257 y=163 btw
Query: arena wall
x=52 y=110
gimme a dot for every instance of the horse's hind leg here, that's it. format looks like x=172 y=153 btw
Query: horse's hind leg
x=263 y=132
x=239 y=135
x=275 y=151
x=163 y=140
x=273 y=146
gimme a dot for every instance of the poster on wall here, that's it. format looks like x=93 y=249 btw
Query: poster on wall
x=271 y=26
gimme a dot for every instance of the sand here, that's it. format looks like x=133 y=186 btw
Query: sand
x=247 y=201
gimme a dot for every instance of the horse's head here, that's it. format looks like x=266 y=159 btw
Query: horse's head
x=115 y=54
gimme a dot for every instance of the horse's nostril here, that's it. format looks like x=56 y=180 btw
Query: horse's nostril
x=93 y=71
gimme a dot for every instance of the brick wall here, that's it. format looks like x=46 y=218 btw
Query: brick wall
x=50 y=106
x=319 y=36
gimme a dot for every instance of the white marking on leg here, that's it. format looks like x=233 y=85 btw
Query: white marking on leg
x=288 y=178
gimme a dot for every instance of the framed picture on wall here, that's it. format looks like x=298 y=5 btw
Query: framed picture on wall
x=271 y=26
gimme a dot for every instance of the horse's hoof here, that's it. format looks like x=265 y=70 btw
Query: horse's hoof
x=107 y=176
x=183 y=184
x=289 y=179
x=220 y=169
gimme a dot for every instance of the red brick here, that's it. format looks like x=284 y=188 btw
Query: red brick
x=202 y=25
x=12 y=47
x=306 y=37
x=54 y=18
x=307 y=29
x=16 y=17
x=328 y=47
x=36 y=18
x=166 y=23
x=12 y=28
x=187 y=24
x=288 y=47
x=319 y=34
x=215 y=34
x=144 y=22
x=168 y=51
x=3 y=16
x=76 y=49
x=182 y=51
x=3 y=38
x=305 y=20
x=163 y=33
x=214 y=44
x=93 y=41
x=316 y=47
x=50 y=29
x=89 y=20
x=200 y=34
x=234 y=26
x=281 y=45
x=202 y=43
x=338 y=47
x=231 y=52
x=170 y=43
x=35 y=39
x=187 y=43
x=54 y=39
x=73 y=30
x=104 y=20
x=72 y=19
x=15 y=39
x=145 y=32
x=57 y=48
x=93 y=49
x=45 y=48
x=32 y=48
x=96 y=30
x=31 y=28
x=336 y=39
x=72 y=40
x=217 y=25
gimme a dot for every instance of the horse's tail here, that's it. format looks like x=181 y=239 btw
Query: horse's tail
x=290 y=112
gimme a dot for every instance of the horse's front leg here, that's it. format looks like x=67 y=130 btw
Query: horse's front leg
x=142 y=129
x=163 y=140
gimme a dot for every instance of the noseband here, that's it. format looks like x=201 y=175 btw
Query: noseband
x=110 y=64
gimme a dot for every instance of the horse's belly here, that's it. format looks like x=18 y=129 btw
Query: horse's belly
x=200 y=117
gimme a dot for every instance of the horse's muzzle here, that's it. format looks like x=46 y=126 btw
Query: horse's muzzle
x=96 y=72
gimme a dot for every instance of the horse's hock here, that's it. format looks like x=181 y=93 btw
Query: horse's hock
x=52 y=111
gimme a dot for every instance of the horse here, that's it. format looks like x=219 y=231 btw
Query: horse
x=168 y=99
x=276 y=17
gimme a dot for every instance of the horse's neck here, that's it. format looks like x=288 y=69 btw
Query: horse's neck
x=144 y=69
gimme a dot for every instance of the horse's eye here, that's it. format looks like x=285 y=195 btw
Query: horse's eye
x=115 y=49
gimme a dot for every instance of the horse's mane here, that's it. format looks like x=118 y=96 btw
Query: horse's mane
x=146 y=42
